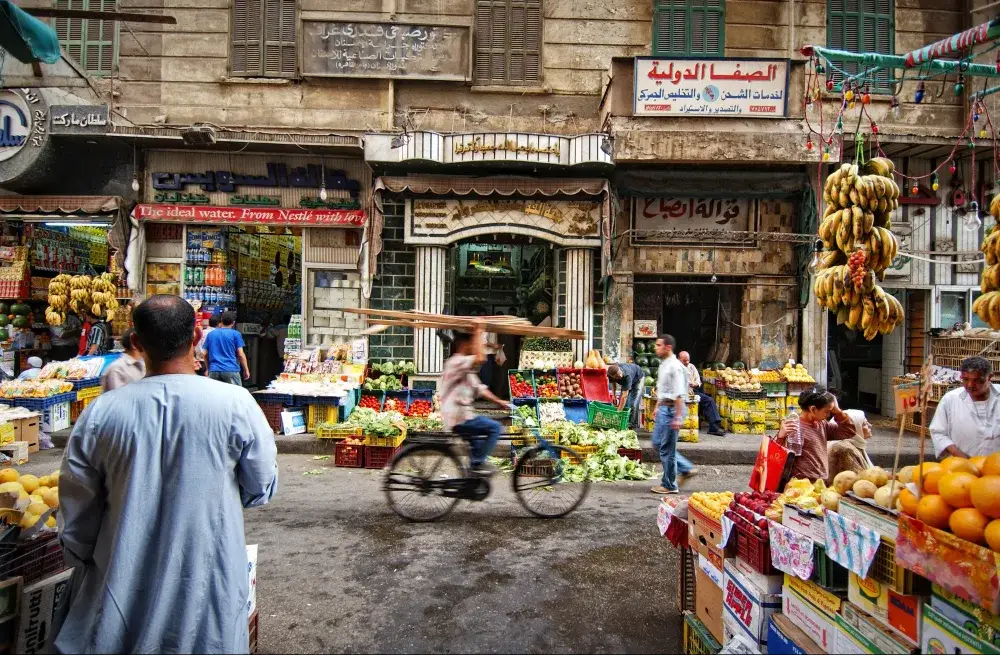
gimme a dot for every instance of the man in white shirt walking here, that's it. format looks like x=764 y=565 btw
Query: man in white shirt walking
x=671 y=390
x=967 y=420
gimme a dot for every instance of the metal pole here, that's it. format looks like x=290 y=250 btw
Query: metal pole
x=875 y=62
x=986 y=92
x=954 y=44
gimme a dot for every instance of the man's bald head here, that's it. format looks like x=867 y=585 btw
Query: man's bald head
x=684 y=357
x=164 y=327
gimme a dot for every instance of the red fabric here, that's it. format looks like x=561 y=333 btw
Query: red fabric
x=83 y=338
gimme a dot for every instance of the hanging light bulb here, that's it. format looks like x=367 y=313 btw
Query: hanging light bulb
x=809 y=144
x=322 y=193
x=849 y=95
x=934 y=183
x=817 y=260
x=972 y=222
x=874 y=128
x=826 y=154
x=135 y=184
x=952 y=168
x=894 y=106
x=959 y=88
x=915 y=189
x=982 y=133
x=866 y=98
x=850 y=105
x=840 y=126
x=975 y=116
x=829 y=85
x=715 y=278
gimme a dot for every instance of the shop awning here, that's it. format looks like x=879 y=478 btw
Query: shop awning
x=371 y=244
x=25 y=37
x=63 y=205
x=715 y=183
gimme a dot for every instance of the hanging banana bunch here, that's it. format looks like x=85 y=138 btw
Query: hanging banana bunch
x=103 y=296
x=55 y=313
x=987 y=305
x=856 y=232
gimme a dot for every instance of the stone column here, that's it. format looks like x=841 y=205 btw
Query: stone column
x=429 y=297
x=580 y=297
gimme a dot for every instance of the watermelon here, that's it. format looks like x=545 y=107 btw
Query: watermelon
x=646 y=371
x=20 y=309
x=739 y=366
x=641 y=360
x=4 y=309
x=719 y=366
x=653 y=363
x=21 y=322
x=640 y=347
x=4 y=320
x=650 y=381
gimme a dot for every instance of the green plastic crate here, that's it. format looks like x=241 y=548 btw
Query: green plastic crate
x=605 y=416
x=697 y=639
x=827 y=573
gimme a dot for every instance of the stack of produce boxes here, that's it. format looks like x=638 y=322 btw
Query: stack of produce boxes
x=704 y=536
x=689 y=429
x=775 y=404
x=747 y=411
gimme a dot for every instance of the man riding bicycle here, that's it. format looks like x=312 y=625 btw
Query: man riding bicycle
x=460 y=387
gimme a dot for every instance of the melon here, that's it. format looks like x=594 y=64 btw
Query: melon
x=641 y=360
x=4 y=308
x=20 y=309
x=640 y=347
x=21 y=322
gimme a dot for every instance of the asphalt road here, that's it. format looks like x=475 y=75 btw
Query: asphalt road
x=338 y=572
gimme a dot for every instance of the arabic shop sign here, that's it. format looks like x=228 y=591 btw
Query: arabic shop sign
x=15 y=123
x=430 y=52
x=72 y=120
x=686 y=213
x=251 y=200
x=447 y=220
x=723 y=88
x=278 y=176
x=241 y=215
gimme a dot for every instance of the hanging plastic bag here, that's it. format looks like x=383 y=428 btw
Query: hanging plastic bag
x=772 y=468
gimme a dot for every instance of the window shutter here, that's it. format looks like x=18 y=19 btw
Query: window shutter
x=93 y=44
x=508 y=42
x=246 y=37
x=279 y=38
x=689 y=27
x=861 y=26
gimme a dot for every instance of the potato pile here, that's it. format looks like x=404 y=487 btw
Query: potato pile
x=570 y=385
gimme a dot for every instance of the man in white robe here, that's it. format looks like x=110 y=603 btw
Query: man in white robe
x=152 y=489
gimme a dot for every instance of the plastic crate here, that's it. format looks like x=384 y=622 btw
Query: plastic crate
x=316 y=414
x=420 y=394
x=529 y=376
x=396 y=401
x=32 y=560
x=775 y=389
x=88 y=393
x=583 y=451
x=523 y=402
x=539 y=468
x=603 y=415
x=378 y=457
x=39 y=404
x=561 y=372
x=686 y=588
x=631 y=453
x=595 y=385
x=252 y=629
x=541 y=375
x=79 y=385
x=274 y=398
x=77 y=406
x=688 y=435
x=338 y=432
x=385 y=442
x=379 y=396
x=753 y=550
x=697 y=639
x=827 y=573
x=272 y=411
x=349 y=455
x=885 y=570
x=576 y=410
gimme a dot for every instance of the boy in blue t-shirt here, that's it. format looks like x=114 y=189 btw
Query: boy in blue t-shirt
x=224 y=352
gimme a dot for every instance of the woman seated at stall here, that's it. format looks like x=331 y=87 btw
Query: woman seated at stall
x=814 y=429
x=851 y=454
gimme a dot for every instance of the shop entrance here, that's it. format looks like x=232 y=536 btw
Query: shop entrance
x=855 y=367
x=505 y=277
x=696 y=315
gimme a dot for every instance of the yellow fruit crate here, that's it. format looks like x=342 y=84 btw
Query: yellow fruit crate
x=527 y=439
x=690 y=422
x=739 y=403
x=88 y=393
x=770 y=424
x=688 y=436
x=739 y=416
x=758 y=405
x=740 y=428
x=391 y=442
x=758 y=428
x=6 y=433
x=317 y=414
x=583 y=451
x=334 y=431
x=758 y=415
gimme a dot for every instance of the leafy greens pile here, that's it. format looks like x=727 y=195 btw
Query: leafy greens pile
x=376 y=424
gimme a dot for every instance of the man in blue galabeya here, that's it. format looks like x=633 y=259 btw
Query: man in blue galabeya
x=152 y=489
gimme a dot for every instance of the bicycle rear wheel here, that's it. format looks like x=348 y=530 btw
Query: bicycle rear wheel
x=550 y=482
x=416 y=482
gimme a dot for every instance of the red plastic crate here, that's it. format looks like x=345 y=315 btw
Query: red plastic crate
x=631 y=453
x=378 y=457
x=32 y=560
x=252 y=627
x=595 y=384
x=349 y=455
x=753 y=550
x=273 y=413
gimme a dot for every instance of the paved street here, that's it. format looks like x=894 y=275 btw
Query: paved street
x=339 y=572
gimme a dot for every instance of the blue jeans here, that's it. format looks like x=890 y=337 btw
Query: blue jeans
x=482 y=434
x=227 y=377
x=665 y=441
x=634 y=403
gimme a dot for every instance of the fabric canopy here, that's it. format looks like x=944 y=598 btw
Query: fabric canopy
x=60 y=204
x=371 y=244
x=27 y=38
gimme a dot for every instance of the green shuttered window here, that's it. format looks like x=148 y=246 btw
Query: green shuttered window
x=508 y=42
x=263 y=38
x=861 y=26
x=93 y=44
x=689 y=27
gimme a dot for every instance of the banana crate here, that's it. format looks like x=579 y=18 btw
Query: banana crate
x=775 y=403
x=758 y=416
x=739 y=416
x=688 y=435
x=740 y=428
x=771 y=424
x=758 y=428
x=759 y=404
x=690 y=422
x=723 y=404
x=88 y=393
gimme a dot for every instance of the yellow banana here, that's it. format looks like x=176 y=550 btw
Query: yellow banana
x=855 y=317
x=843 y=313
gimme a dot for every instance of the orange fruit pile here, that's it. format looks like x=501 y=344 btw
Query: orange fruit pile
x=960 y=495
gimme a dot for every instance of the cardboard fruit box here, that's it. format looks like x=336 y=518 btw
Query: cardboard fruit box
x=969 y=571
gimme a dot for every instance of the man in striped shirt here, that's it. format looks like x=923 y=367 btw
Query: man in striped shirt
x=98 y=336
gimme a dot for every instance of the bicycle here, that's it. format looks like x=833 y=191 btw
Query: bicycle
x=427 y=478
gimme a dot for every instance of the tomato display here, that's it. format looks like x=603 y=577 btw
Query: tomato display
x=519 y=387
x=371 y=402
x=394 y=405
x=420 y=408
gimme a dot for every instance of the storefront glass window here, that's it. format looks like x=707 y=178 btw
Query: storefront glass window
x=952 y=308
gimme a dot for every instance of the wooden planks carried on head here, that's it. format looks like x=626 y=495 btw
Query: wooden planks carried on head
x=495 y=324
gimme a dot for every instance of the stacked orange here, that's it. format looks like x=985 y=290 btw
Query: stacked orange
x=960 y=495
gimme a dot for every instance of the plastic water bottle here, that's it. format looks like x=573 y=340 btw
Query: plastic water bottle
x=794 y=440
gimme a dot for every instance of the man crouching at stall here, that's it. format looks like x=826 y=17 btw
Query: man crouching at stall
x=152 y=489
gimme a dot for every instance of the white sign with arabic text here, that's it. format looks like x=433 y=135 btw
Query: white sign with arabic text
x=733 y=88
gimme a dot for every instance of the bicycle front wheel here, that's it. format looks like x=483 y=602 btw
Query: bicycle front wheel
x=550 y=482
x=421 y=480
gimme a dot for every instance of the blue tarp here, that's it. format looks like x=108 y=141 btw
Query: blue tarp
x=25 y=37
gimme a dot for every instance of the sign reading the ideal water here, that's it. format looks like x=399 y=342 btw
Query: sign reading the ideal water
x=733 y=88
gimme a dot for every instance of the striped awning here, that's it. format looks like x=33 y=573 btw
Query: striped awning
x=63 y=205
